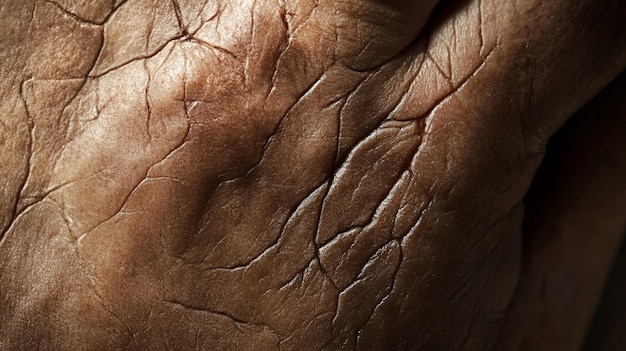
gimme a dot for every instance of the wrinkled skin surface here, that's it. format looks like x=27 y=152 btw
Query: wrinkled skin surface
x=306 y=175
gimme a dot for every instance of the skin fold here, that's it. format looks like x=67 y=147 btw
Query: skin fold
x=308 y=175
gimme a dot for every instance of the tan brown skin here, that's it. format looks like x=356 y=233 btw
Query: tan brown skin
x=300 y=175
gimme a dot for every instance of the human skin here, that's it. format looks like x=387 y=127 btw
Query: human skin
x=299 y=175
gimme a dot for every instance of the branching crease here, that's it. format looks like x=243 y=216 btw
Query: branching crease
x=385 y=298
x=136 y=187
x=137 y=58
x=274 y=134
x=73 y=15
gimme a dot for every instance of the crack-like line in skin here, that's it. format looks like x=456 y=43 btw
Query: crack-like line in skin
x=107 y=308
x=39 y=198
x=480 y=26
x=461 y=84
x=385 y=243
x=340 y=115
x=84 y=80
x=402 y=202
x=147 y=99
x=440 y=69
x=152 y=54
x=89 y=278
x=183 y=34
x=72 y=14
x=210 y=311
x=386 y=114
x=145 y=177
x=136 y=187
x=332 y=172
x=403 y=167
x=290 y=34
x=83 y=20
x=353 y=154
x=223 y=50
x=360 y=277
x=317 y=247
x=179 y=17
x=274 y=134
x=89 y=75
x=396 y=271
x=277 y=241
x=424 y=117
x=225 y=314
x=30 y=148
x=16 y=212
x=387 y=295
x=401 y=181
x=380 y=207
x=265 y=149
x=246 y=64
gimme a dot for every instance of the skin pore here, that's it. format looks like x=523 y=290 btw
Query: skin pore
x=308 y=175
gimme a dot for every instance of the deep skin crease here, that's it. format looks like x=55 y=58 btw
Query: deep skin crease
x=307 y=175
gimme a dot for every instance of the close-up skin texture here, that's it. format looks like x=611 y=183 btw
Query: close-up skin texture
x=308 y=175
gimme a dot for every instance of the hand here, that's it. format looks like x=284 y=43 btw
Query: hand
x=267 y=175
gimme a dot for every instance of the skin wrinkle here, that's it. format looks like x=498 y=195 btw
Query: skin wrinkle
x=17 y=212
x=263 y=155
x=147 y=100
x=382 y=301
x=402 y=206
x=135 y=187
x=224 y=314
x=363 y=277
x=73 y=15
x=380 y=202
x=467 y=78
x=288 y=36
x=40 y=9
x=116 y=317
x=275 y=132
x=317 y=245
x=344 y=102
x=179 y=18
x=315 y=258
x=407 y=88
x=458 y=86
x=276 y=70
x=280 y=237
x=393 y=283
x=248 y=278
x=149 y=54
x=30 y=124
x=251 y=40
x=370 y=223
x=135 y=59
x=480 y=26
x=144 y=177
x=31 y=183
x=357 y=145
x=92 y=64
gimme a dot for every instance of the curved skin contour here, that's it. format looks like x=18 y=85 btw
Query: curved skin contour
x=306 y=175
